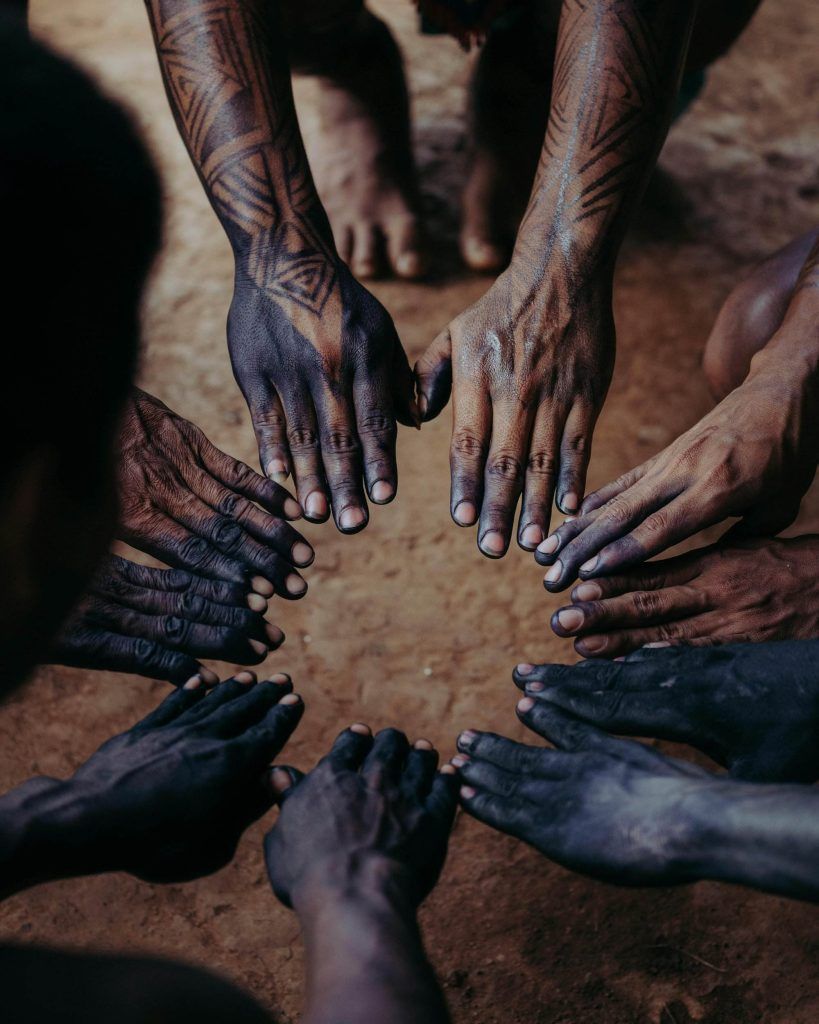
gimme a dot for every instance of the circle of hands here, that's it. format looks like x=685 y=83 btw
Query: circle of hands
x=226 y=534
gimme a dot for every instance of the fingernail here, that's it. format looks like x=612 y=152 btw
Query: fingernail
x=193 y=683
x=277 y=468
x=280 y=780
x=570 y=619
x=292 y=509
x=467 y=792
x=361 y=729
x=423 y=404
x=273 y=634
x=256 y=603
x=459 y=760
x=525 y=704
x=531 y=536
x=467 y=738
x=658 y=643
x=569 y=502
x=315 y=506
x=594 y=644
x=295 y=585
x=591 y=565
x=278 y=478
x=245 y=677
x=302 y=553
x=262 y=586
x=350 y=518
x=289 y=699
x=422 y=745
x=280 y=677
x=493 y=543
x=381 y=491
x=548 y=546
x=554 y=574
x=464 y=513
x=260 y=648
x=447 y=769
x=524 y=669
x=209 y=678
x=587 y=592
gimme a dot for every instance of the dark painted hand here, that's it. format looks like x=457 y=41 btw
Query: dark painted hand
x=187 y=503
x=325 y=378
x=747 y=592
x=368 y=803
x=754 y=456
x=157 y=622
x=169 y=799
x=529 y=370
x=751 y=707
x=609 y=808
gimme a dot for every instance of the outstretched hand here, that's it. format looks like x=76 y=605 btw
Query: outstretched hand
x=751 y=707
x=190 y=505
x=369 y=805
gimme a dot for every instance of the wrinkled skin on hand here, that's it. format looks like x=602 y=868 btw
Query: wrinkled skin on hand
x=369 y=800
x=613 y=809
x=753 y=708
x=731 y=593
x=190 y=505
x=325 y=379
x=169 y=799
x=158 y=622
x=753 y=456
x=529 y=369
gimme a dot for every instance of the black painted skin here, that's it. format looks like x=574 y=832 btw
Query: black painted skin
x=158 y=622
x=361 y=840
x=624 y=812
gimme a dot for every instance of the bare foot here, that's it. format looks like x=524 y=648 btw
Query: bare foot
x=509 y=108
x=359 y=147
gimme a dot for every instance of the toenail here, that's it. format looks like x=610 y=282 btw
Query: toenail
x=295 y=584
x=302 y=553
x=289 y=699
x=274 y=635
x=245 y=677
x=525 y=704
x=591 y=565
x=554 y=574
x=350 y=518
x=408 y=264
x=256 y=603
x=524 y=669
x=570 y=619
x=531 y=536
x=467 y=792
x=193 y=683
x=262 y=586
x=464 y=513
x=315 y=506
x=381 y=491
x=361 y=729
x=535 y=686
x=493 y=543
x=459 y=760
x=548 y=546
x=292 y=509
x=588 y=592
x=258 y=647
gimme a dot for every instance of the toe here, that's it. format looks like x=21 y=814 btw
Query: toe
x=481 y=253
x=365 y=261
x=404 y=247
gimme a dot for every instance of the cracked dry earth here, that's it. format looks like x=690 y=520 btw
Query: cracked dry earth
x=406 y=623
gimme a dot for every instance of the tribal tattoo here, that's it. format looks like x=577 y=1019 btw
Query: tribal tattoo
x=316 y=356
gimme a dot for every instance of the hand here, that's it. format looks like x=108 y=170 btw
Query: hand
x=169 y=799
x=369 y=805
x=529 y=371
x=157 y=622
x=748 y=592
x=754 y=456
x=751 y=707
x=612 y=809
x=190 y=505
x=325 y=378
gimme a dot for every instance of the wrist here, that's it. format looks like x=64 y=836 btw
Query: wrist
x=364 y=880
x=791 y=356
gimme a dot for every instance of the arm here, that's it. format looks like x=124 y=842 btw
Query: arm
x=359 y=843
x=316 y=356
x=531 y=362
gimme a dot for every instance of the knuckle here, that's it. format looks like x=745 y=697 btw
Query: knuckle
x=542 y=463
x=658 y=522
x=340 y=442
x=192 y=606
x=466 y=444
x=302 y=439
x=647 y=603
x=195 y=551
x=175 y=629
x=227 y=534
x=617 y=513
x=505 y=466
x=377 y=423
x=149 y=653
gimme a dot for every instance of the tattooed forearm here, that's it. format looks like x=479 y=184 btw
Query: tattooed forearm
x=616 y=75
x=227 y=77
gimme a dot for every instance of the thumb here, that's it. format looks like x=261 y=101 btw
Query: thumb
x=433 y=371
x=282 y=780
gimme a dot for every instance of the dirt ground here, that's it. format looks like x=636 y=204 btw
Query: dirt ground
x=406 y=623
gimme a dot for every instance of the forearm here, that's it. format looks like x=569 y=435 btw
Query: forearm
x=762 y=836
x=365 y=958
x=227 y=77
x=617 y=70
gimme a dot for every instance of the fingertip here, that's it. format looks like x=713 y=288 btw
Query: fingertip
x=382 y=492
x=361 y=728
x=467 y=792
x=292 y=509
x=262 y=586
x=465 y=513
x=447 y=769
x=245 y=678
x=194 y=683
x=209 y=678
x=525 y=705
x=280 y=781
x=290 y=699
x=422 y=744
x=316 y=507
